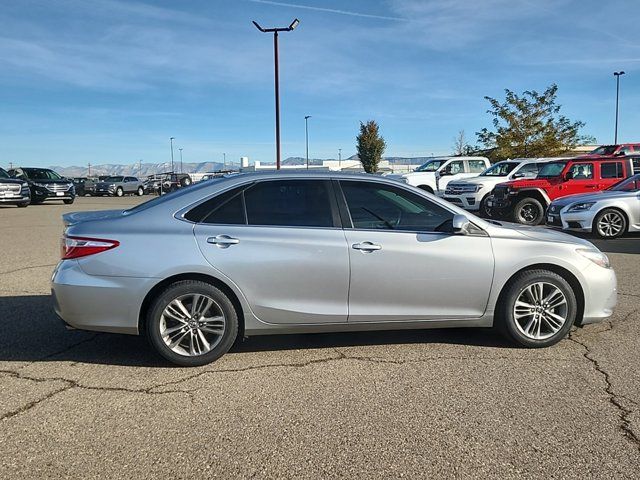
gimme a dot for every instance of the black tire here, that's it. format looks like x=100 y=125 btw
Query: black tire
x=484 y=211
x=119 y=192
x=506 y=322
x=140 y=191
x=528 y=211
x=610 y=223
x=69 y=201
x=187 y=287
x=22 y=204
x=185 y=181
x=426 y=188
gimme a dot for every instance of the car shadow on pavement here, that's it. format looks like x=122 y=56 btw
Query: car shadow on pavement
x=31 y=332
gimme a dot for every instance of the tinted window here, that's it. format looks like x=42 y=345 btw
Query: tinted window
x=501 y=169
x=611 y=170
x=292 y=203
x=476 y=166
x=3 y=174
x=582 y=171
x=430 y=166
x=552 y=169
x=41 y=174
x=378 y=206
x=225 y=208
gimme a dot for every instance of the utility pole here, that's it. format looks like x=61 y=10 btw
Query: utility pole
x=10 y=165
x=275 y=31
x=171 y=141
x=224 y=161
x=181 y=171
x=306 y=136
x=139 y=166
x=617 y=75
x=89 y=174
x=340 y=158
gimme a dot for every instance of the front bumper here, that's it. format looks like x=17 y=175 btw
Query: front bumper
x=600 y=294
x=468 y=201
x=499 y=207
x=42 y=194
x=99 y=303
x=576 y=221
x=15 y=197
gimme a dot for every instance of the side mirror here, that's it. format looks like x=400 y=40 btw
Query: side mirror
x=460 y=224
x=568 y=175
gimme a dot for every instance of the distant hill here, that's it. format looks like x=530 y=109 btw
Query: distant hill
x=145 y=169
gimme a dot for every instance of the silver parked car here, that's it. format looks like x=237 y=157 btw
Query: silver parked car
x=269 y=253
x=609 y=213
x=118 y=186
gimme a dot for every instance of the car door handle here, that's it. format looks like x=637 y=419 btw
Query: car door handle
x=223 y=240
x=367 y=246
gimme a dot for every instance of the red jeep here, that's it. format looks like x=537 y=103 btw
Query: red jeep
x=613 y=150
x=525 y=201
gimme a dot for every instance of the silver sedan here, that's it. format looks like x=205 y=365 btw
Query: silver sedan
x=610 y=213
x=273 y=253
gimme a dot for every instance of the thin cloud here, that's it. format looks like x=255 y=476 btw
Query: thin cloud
x=329 y=10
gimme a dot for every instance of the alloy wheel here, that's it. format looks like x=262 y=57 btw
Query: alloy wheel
x=610 y=224
x=528 y=213
x=192 y=325
x=540 y=310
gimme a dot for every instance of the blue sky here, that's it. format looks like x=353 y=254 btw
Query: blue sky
x=110 y=81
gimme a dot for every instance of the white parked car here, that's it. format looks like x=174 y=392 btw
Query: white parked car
x=434 y=175
x=609 y=213
x=472 y=193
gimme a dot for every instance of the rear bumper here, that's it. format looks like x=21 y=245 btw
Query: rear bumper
x=99 y=303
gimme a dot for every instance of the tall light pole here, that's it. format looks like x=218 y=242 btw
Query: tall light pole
x=224 y=161
x=617 y=75
x=275 y=31
x=340 y=158
x=171 y=141
x=306 y=136
x=181 y=171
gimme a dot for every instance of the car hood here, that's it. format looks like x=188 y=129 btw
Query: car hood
x=589 y=197
x=48 y=181
x=515 y=230
x=478 y=180
x=12 y=181
x=74 y=218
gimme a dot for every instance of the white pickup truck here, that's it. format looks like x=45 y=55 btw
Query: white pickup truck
x=472 y=193
x=434 y=175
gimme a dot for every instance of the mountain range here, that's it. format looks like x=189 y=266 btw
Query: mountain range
x=144 y=169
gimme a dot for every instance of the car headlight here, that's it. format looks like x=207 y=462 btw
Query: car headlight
x=581 y=207
x=596 y=256
x=479 y=187
x=25 y=184
x=41 y=185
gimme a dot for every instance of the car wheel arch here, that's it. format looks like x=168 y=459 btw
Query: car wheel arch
x=216 y=282
x=534 y=193
x=426 y=188
x=558 y=269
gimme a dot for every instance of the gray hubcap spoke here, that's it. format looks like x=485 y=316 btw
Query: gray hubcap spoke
x=192 y=324
x=540 y=310
x=610 y=224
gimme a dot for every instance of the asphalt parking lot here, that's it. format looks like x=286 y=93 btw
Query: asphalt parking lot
x=370 y=405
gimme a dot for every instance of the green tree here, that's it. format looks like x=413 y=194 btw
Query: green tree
x=530 y=125
x=370 y=146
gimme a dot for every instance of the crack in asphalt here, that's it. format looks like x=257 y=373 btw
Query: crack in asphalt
x=73 y=384
x=28 y=268
x=615 y=399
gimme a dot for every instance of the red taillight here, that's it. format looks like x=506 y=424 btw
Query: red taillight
x=76 y=247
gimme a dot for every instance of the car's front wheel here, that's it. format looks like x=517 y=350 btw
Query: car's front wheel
x=192 y=323
x=140 y=191
x=68 y=201
x=610 y=223
x=119 y=192
x=537 y=309
x=528 y=211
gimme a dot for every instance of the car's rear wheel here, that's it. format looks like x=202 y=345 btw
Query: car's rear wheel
x=537 y=309
x=140 y=191
x=119 y=192
x=610 y=223
x=192 y=323
x=528 y=211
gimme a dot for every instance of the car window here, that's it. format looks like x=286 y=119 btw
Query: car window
x=611 y=170
x=290 y=203
x=529 y=170
x=582 y=171
x=455 y=167
x=501 y=169
x=379 y=206
x=430 y=166
x=631 y=184
x=624 y=150
x=4 y=174
x=477 y=166
x=219 y=208
x=41 y=174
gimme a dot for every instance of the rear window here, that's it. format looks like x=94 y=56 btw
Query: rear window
x=612 y=170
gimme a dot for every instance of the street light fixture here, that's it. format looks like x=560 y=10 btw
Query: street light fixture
x=171 y=141
x=306 y=136
x=275 y=31
x=617 y=75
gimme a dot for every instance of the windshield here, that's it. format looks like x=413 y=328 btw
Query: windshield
x=605 y=150
x=41 y=174
x=631 y=184
x=501 y=169
x=430 y=166
x=113 y=179
x=552 y=169
x=4 y=174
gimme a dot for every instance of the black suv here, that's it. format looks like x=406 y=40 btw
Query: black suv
x=13 y=191
x=45 y=184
